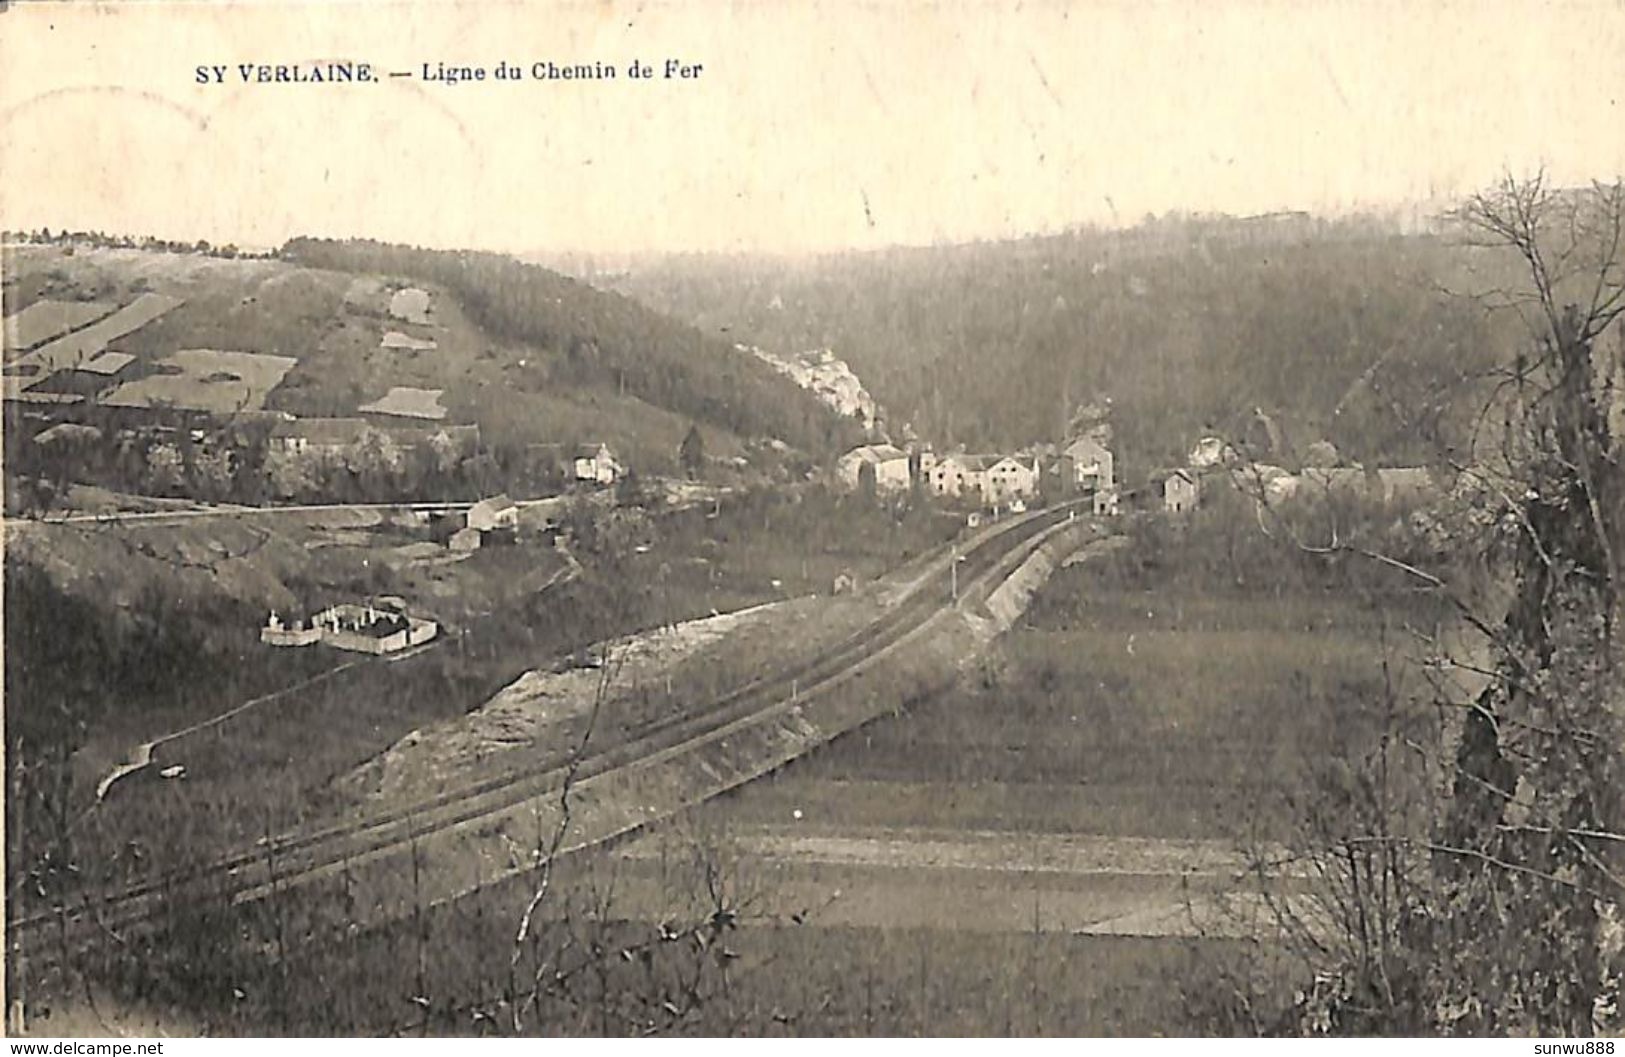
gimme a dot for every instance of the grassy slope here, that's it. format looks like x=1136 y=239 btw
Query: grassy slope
x=273 y=307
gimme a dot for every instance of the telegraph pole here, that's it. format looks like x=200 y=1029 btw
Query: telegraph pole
x=18 y=1013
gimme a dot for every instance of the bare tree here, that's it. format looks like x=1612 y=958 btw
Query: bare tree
x=1465 y=876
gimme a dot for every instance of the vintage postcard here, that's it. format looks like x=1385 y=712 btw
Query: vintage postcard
x=815 y=519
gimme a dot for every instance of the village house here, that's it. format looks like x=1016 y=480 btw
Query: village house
x=596 y=463
x=1180 y=491
x=1010 y=478
x=886 y=464
x=1092 y=465
x=958 y=475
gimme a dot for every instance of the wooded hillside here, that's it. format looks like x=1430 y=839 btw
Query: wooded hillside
x=1187 y=325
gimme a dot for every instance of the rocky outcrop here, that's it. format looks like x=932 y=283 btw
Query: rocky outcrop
x=829 y=378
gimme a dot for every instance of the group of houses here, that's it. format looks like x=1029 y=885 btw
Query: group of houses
x=1084 y=466
x=330 y=438
x=319 y=438
x=1321 y=478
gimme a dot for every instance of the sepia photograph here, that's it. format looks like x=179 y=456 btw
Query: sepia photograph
x=705 y=519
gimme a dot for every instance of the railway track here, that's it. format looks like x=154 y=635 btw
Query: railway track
x=286 y=862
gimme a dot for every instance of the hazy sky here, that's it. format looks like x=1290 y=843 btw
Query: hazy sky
x=811 y=126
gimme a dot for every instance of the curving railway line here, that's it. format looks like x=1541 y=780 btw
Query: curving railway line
x=311 y=854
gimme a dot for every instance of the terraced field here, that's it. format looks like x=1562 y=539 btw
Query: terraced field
x=44 y=320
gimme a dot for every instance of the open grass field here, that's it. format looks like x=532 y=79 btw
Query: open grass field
x=408 y=402
x=205 y=380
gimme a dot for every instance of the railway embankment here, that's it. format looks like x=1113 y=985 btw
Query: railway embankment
x=600 y=807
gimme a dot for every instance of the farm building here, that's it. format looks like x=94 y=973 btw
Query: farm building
x=1263 y=480
x=495 y=512
x=1180 y=491
x=884 y=464
x=316 y=436
x=1105 y=502
x=349 y=626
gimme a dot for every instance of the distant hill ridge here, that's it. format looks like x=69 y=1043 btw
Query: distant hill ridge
x=1189 y=324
